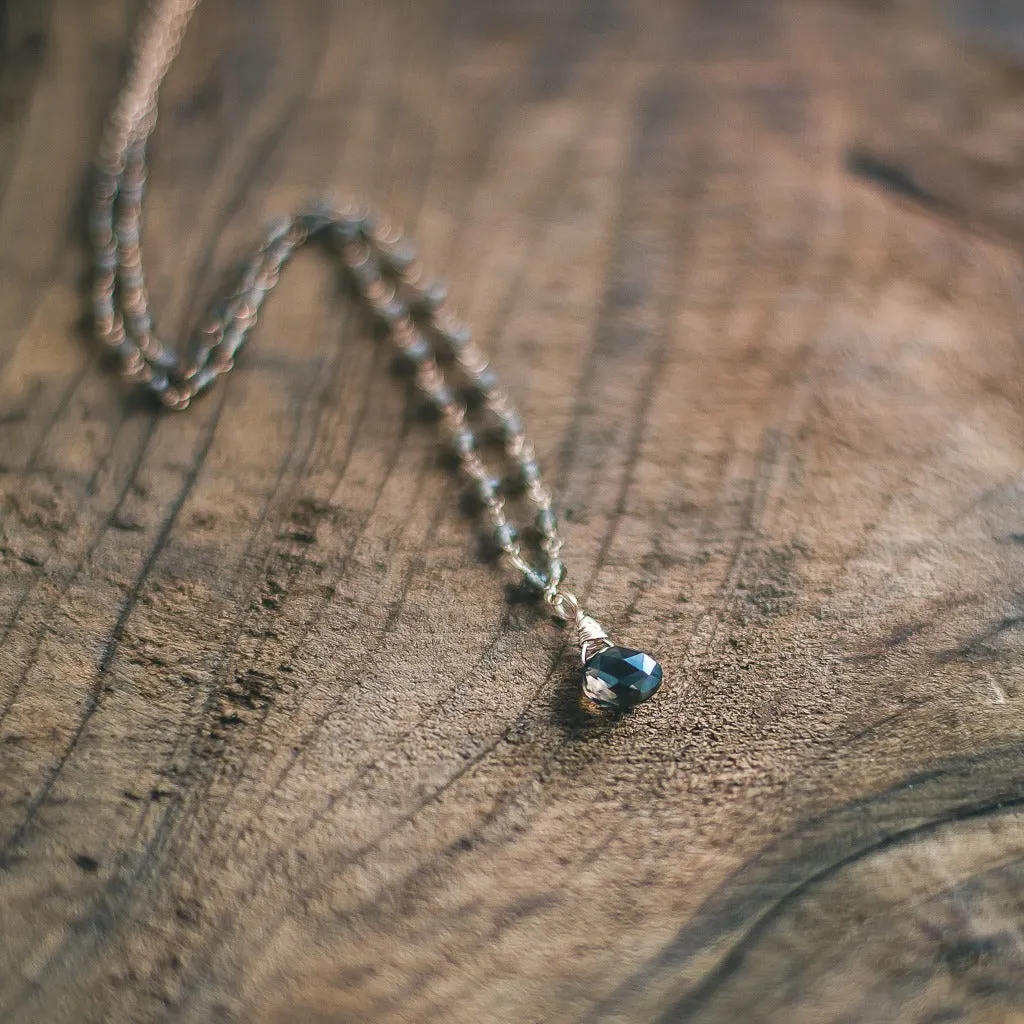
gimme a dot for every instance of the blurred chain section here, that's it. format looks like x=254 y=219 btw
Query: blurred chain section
x=381 y=264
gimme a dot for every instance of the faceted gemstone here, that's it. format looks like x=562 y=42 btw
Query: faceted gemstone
x=621 y=678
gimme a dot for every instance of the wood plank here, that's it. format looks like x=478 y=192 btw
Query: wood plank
x=278 y=743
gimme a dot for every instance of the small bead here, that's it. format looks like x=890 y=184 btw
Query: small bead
x=535 y=579
x=105 y=186
x=463 y=442
x=474 y=468
x=505 y=536
x=157 y=382
x=529 y=471
x=546 y=521
x=487 y=489
x=203 y=379
x=556 y=571
x=398 y=257
x=367 y=224
x=175 y=400
x=233 y=338
x=365 y=273
x=433 y=297
x=277 y=229
x=322 y=215
x=416 y=349
x=485 y=381
x=440 y=397
x=391 y=312
x=142 y=323
x=160 y=355
x=511 y=425
x=345 y=231
x=456 y=336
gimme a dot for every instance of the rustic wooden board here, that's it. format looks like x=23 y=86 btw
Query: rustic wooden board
x=278 y=744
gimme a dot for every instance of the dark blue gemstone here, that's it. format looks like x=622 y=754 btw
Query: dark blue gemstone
x=621 y=678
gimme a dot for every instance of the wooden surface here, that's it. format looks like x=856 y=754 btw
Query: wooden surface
x=279 y=745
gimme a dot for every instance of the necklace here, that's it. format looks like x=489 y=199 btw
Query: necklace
x=386 y=274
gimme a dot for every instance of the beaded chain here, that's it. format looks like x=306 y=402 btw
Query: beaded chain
x=385 y=272
x=380 y=263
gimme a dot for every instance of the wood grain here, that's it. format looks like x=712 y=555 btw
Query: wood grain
x=277 y=743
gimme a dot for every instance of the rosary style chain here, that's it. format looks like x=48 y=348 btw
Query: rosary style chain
x=380 y=263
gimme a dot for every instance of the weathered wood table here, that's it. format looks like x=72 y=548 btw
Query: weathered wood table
x=277 y=743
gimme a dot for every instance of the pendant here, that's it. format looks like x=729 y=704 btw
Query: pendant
x=617 y=678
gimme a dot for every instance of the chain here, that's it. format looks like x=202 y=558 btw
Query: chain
x=381 y=264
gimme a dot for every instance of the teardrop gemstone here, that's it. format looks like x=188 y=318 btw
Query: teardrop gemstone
x=620 y=678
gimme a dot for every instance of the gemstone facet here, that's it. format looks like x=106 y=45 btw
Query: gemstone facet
x=621 y=678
